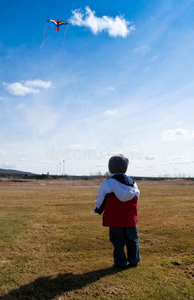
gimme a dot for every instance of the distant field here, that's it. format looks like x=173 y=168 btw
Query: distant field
x=52 y=247
x=87 y=182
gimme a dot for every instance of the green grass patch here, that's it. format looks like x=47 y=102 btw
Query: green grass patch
x=52 y=247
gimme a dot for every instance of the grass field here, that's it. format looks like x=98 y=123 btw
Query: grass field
x=52 y=247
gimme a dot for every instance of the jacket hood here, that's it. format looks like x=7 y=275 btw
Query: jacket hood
x=123 y=191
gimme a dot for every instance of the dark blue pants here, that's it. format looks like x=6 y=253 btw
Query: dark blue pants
x=120 y=237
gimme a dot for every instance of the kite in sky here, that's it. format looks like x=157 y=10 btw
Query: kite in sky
x=58 y=24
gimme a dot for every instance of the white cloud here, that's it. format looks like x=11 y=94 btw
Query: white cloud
x=26 y=87
x=143 y=50
x=177 y=134
x=22 y=153
x=2 y=99
x=5 y=165
x=183 y=162
x=154 y=58
x=22 y=159
x=104 y=91
x=76 y=146
x=117 y=26
x=178 y=158
x=18 y=89
x=132 y=155
x=154 y=157
x=38 y=83
x=112 y=112
x=182 y=159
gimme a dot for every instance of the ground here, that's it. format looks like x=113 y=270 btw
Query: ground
x=52 y=247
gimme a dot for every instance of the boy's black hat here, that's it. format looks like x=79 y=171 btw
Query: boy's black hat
x=118 y=164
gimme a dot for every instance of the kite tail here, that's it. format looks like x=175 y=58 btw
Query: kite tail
x=64 y=38
x=44 y=36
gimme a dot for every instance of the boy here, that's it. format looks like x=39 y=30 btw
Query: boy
x=117 y=200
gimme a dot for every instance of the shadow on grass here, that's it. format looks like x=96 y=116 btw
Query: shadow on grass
x=47 y=288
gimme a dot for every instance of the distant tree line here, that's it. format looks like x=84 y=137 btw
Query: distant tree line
x=106 y=175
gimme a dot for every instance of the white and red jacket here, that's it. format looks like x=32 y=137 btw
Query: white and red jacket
x=117 y=200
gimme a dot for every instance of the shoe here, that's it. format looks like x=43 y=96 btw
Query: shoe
x=121 y=266
x=133 y=265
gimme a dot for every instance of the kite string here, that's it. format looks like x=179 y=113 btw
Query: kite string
x=64 y=38
x=44 y=35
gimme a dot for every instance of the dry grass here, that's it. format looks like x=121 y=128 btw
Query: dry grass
x=52 y=247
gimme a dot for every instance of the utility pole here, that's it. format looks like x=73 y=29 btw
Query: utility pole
x=63 y=167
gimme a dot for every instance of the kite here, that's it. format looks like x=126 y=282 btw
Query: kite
x=58 y=24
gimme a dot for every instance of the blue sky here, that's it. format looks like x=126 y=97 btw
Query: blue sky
x=123 y=83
